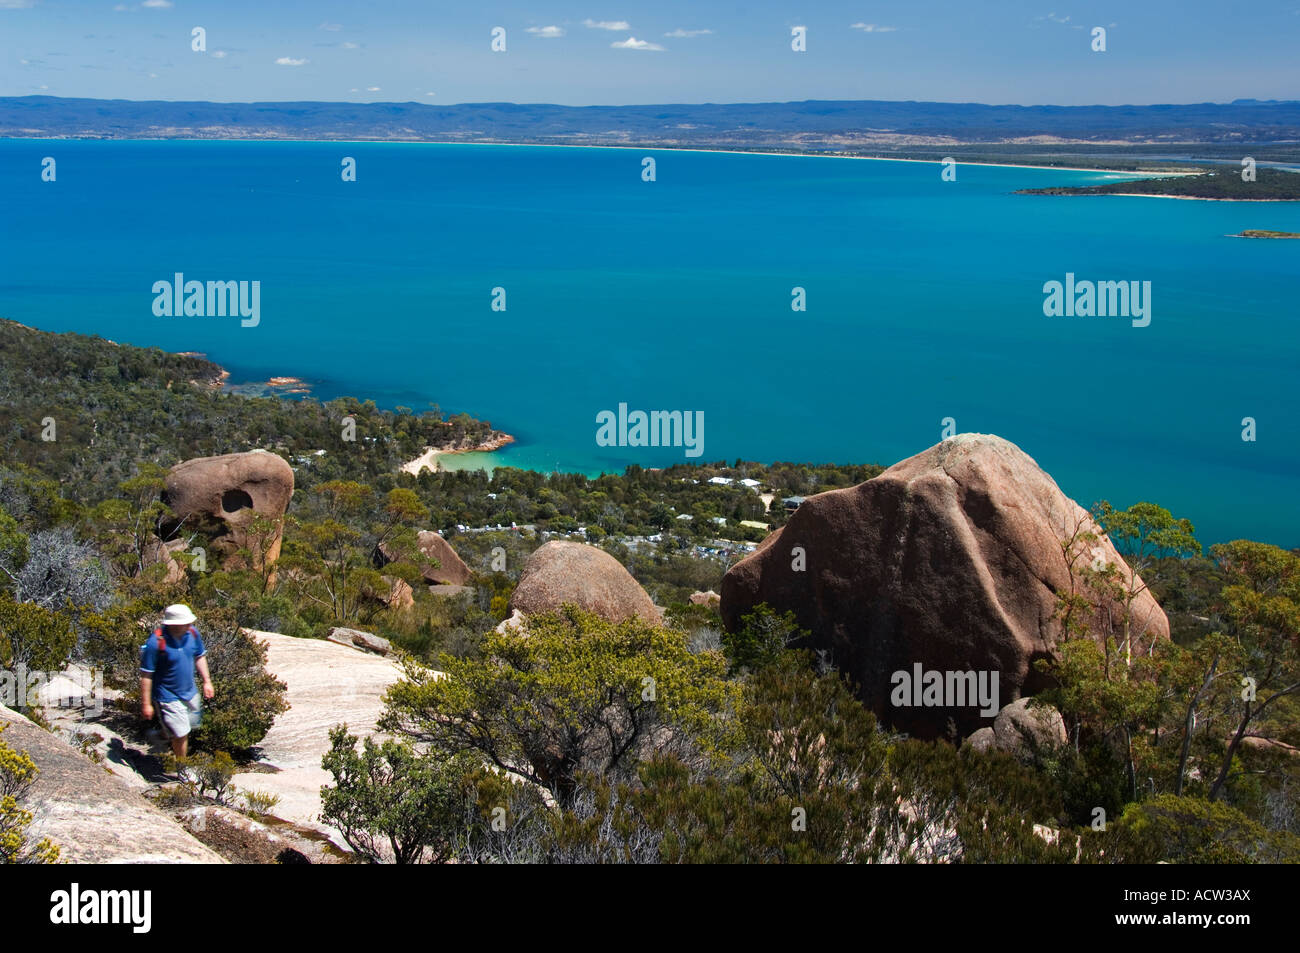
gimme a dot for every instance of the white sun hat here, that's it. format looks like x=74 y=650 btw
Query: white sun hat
x=178 y=615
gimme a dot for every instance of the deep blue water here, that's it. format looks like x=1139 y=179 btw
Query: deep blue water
x=924 y=300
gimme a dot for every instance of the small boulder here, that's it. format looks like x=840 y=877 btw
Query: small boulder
x=511 y=624
x=156 y=552
x=450 y=569
x=400 y=594
x=1023 y=731
x=365 y=641
x=566 y=572
x=982 y=740
x=709 y=598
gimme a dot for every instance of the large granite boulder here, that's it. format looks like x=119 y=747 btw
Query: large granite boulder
x=218 y=496
x=91 y=814
x=561 y=571
x=951 y=559
x=443 y=568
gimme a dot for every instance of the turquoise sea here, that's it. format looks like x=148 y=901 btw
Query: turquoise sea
x=924 y=301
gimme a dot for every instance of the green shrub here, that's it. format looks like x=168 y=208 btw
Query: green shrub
x=390 y=801
x=1191 y=830
x=248 y=698
x=205 y=774
x=173 y=796
x=762 y=636
x=260 y=802
x=33 y=636
x=17 y=775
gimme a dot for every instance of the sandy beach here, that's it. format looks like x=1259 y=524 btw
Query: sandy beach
x=1191 y=198
x=429 y=458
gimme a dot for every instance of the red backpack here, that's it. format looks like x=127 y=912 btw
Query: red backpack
x=162 y=639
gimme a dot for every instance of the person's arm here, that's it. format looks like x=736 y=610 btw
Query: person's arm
x=202 y=665
x=146 y=695
x=148 y=662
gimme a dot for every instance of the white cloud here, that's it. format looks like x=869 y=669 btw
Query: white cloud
x=17 y=5
x=332 y=27
x=632 y=43
x=372 y=89
x=606 y=24
x=873 y=28
x=681 y=34
x=219 y=54
x=349 y=45
x=431 y=94
x=288 y=61
x=157 y=4
x=546 y=32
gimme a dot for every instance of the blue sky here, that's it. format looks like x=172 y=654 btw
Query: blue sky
x=619 y=52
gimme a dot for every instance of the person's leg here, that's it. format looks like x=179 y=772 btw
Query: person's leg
x=174 y=718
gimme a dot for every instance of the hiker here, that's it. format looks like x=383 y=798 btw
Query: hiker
x=167 y=664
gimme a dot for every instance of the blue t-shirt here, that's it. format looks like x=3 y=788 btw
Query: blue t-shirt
x=172 y=668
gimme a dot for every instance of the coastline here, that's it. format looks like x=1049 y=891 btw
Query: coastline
x=1136 y=195
x=566 y=145
x=429 y=458
x=1192 y=198
x=284 y=385
x=1187 y=198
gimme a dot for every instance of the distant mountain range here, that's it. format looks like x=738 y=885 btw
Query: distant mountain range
x=813 y=125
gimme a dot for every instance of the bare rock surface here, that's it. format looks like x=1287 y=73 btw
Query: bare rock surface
x=328 y=684
x=92 y=815
x=451 y=592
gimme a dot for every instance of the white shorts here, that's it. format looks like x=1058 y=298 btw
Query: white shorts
x=179 y=718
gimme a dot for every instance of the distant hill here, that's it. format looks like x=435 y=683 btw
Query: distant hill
x=811 y=125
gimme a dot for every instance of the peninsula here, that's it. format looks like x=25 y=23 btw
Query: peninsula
x=1225 y=185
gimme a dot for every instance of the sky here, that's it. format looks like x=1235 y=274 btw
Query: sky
x=616 y=52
